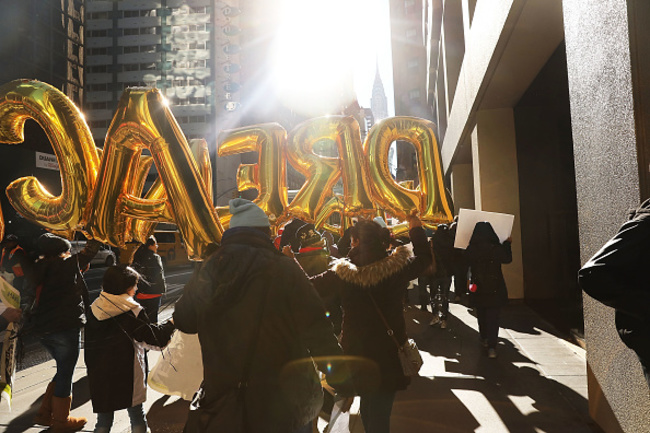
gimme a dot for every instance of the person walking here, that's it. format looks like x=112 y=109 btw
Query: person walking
x=488 y=292
x=14 y=263
x=113 y=349
x=371 y=283
x=615 y=276
x=58 y=300
x=261 y=326
x=442 y=244
x=152 y=286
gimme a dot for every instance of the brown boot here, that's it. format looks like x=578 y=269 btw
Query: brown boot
x=62 y=422
x=44 y=415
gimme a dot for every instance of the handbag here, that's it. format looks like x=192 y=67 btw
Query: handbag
x=226 y=413
x=408 y=353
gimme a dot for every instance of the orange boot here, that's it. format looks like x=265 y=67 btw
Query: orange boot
x=44 y=415
x=62 y=422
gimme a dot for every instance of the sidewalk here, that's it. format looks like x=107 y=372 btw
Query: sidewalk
x=537 y=384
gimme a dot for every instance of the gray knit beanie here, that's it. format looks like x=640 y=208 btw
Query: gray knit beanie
x=245 y=213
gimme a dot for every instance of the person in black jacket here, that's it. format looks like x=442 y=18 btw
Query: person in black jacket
x=261 y=323
x=113 y=349
x=152 y=285
x=485 y=254
x=442 y=244
x=57 y=299
x=616 y=276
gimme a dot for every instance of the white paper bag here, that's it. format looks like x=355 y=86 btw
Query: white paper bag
x=179 y=371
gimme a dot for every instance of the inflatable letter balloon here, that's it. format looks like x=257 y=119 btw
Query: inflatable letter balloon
x=73 y=145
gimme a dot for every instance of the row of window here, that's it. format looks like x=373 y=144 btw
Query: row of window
x=177 y=82
x=107 y=15
x=137 y=31
x=105 y=51
x=183 y=120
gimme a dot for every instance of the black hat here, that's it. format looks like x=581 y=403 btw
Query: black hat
x=52 y=245
x=307 y=235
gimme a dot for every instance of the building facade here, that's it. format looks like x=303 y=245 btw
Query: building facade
x=540 y=110
x=40 y=40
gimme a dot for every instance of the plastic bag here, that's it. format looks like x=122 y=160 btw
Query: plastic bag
x=9 y=297
x=179 y=371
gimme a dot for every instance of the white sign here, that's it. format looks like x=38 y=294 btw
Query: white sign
x=467 y=219
x=46 y=161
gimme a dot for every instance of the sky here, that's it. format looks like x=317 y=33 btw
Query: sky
x=325 y=52
x=377 y=26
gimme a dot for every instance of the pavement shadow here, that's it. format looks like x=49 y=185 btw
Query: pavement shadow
x=25 y=421
x=168 y=415
x=460 y=390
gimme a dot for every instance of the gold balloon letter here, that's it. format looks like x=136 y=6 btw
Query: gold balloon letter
x=430 y=198
x=321 y=172
x=143 y=119
x=73 y=145
x=268 y=176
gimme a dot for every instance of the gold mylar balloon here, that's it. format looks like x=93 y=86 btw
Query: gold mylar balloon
x=144 y=120
x=73 y=145
x=355 y=171
x=321 y=172
x=430 y=198
x=268 y=176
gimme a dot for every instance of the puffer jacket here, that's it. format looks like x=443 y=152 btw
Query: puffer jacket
x=114 y=352
x=615 y=276
x=222 y=305
x=59 y=291
x=363 y=332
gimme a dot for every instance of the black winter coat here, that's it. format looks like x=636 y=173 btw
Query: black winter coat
x=363 y=332
x=222 y=305
x=616 y=276
x=114 y=354
x=149 y=264
x=59 y=304
x=485 y=259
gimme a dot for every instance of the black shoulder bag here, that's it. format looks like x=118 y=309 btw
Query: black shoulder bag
x=228 y=412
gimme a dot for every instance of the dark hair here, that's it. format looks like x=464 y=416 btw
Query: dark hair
x=51 y=245
x=118 y=279
x=484 y=234
x=143 y=250
x=371 y=236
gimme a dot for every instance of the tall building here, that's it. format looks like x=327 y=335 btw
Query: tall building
x=542 y=117
x=378 y=101
x=165 y=44
x=42 y=40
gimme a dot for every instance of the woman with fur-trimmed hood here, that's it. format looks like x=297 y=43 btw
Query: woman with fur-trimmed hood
x=372 y=272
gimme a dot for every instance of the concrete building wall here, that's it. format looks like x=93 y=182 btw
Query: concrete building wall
x=601 y=76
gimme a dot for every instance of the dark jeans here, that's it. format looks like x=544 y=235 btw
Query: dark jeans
x=488 y=324
x=136 y=415
x=423 y=290
x=375 y=411
x=151 y=307
x=441 y=286
x=64 y=347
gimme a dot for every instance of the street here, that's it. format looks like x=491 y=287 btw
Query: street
x=176 y=277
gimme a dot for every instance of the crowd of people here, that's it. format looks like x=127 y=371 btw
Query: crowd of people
x=279 y=315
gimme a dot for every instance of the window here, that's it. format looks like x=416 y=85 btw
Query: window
x=134 y=67
x=129 y=50
x=414 y=94
x=196 y=101
x=413 y=63
x=98 y=33
x=98 y=69
x=99 y=105
x=197 y=119
x=197 y=45
x=198 y=9
x=97 y=51
x=140 y=31
x=98 y=16
x=103 y=87
x=411 y=33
